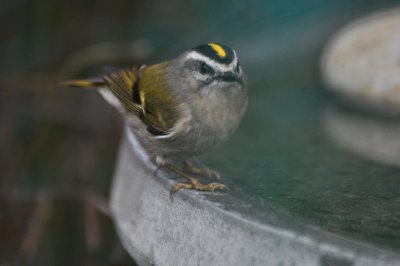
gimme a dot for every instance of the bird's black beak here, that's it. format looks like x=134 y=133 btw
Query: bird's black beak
x=230 y=77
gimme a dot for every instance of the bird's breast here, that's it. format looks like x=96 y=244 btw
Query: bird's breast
x=215 y=119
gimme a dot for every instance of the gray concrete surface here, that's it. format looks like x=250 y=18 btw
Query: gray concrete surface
x=212 y=229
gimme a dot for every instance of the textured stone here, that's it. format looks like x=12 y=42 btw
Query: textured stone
x=367 y=136
x=362 y=61
x=198 y=229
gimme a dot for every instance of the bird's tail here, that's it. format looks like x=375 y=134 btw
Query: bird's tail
x=95 y=83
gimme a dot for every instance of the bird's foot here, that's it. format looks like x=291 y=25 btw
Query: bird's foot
x=193 y=183
x=196 y=185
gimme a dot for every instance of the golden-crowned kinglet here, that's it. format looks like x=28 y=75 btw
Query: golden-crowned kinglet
x=182 y=107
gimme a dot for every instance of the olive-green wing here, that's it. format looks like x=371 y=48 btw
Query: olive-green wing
x=141 y=91
x=144 y=92
x=124 y=85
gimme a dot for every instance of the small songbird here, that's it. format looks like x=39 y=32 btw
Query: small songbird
x=181 y=107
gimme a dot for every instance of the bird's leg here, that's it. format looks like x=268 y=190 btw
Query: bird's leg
x=188 y=166
x=194 y=183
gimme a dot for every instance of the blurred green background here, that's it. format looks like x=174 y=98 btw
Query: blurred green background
x=58 y=147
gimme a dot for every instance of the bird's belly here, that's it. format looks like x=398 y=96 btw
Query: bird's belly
x=202 y=138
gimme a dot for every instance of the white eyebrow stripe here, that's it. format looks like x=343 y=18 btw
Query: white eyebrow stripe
x=221 y=67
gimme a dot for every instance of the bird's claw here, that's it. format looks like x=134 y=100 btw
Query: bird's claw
x=196 y=185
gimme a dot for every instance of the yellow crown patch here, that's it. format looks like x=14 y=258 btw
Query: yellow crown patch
x=218 y=49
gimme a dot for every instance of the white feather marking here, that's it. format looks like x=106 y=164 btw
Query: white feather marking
x=164 y=136
x=220 y=67
x=111 y=99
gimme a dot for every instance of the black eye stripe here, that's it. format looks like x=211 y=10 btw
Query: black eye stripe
x=205 y=69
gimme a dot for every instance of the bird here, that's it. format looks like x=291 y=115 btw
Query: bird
x=179 y=108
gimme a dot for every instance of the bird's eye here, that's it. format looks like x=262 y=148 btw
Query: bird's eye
x=205 y=69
